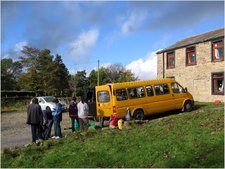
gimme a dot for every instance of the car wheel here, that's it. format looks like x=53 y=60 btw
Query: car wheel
x=138 y=115
x=187 y=106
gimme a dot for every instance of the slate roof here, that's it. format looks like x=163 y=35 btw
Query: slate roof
x=219 y=33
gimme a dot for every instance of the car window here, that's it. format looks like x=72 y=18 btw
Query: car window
x=177 y=88
x=136 y=92
x=41 y=100
x=49 y=99
x=103 y=96
x=121 y=94
x=161 y=89
x=149 y=90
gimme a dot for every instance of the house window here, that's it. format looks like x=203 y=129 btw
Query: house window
x=217 y=51
x=170 y=60
x=218 y=83
x=190 y=56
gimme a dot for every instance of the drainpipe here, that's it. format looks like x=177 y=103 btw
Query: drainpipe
x=163 y=66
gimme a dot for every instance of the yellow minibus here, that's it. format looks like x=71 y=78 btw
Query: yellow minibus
x=142 y=98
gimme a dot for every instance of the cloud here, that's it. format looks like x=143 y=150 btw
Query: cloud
x=164 y=16
x=19 y=46
x=145 y=68
x=79 y=49
x=52 y=29
x=130 y=24
x=15 y=52
x=48 y=24
x=54 y=25
x=186 y=14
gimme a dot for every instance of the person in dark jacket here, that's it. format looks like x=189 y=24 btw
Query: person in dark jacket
x=47 y=123
x=73 y=113
x=35 y=119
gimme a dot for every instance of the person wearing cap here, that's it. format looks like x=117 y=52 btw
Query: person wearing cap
x=57 y=118
x=73 y=113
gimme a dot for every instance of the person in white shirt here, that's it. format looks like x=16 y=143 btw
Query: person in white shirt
x=83 y=110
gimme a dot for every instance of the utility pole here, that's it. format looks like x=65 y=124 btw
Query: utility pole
x=98 y=73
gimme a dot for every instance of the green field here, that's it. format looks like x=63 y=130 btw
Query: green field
x=194 y=139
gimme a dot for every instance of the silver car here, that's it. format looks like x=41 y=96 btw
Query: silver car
x=46 y=101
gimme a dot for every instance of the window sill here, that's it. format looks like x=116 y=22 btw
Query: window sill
x=194 y=64
x=221 y=60
x=217 y=93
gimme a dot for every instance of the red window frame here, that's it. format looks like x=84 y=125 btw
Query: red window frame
x=189 y=52
x=215 y=78
x=214 y=46
x=170 y=64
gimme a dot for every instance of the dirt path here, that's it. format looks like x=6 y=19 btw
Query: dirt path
x=15 y=131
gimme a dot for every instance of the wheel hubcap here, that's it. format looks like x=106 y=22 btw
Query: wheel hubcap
x=188 y=106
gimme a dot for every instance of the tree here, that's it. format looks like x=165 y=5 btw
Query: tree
x=30 y=79
x=60 y=76
x=93 y=78
x=103 y=77
x=118 y=73
x=45 y=68
x=43 y=74
x=30 y=57
x=81 y=83
x=10 y=72
x=112 y=74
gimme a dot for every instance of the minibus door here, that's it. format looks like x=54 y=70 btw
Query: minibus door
x=179 y=95
x=104 y=101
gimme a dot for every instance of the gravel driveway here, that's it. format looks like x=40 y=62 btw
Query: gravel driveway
x=15 y=131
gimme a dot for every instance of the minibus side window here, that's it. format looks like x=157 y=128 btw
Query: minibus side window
x=136 y=92
x=161 y=89
x=121 y=94
x=177 y=88
x=149 y=91
x=103 y=96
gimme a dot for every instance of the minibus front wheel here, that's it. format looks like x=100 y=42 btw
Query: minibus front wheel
x=187 y=106
x=138 y=115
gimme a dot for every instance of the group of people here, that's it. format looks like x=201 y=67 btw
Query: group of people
x=41 y=121
x=78 y=112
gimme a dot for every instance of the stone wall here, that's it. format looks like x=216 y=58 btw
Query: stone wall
x=197 y=78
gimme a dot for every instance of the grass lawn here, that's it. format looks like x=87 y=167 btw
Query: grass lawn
x=14 y=106
x=194 y=139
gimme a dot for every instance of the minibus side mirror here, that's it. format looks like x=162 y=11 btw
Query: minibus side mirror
x=186 y=90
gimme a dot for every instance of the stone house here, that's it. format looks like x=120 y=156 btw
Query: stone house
x=197 y=63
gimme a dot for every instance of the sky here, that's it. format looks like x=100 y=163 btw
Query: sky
x=114 y=32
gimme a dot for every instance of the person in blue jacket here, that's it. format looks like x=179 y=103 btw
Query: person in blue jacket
x=57 y=118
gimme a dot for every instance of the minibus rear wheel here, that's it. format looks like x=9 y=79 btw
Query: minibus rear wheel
x=187 y=106
x=138 y=115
